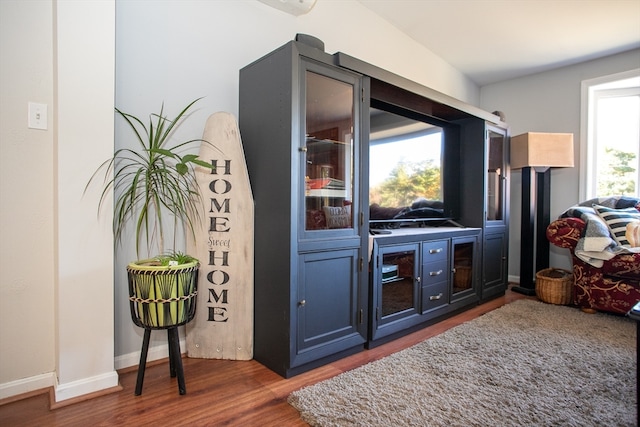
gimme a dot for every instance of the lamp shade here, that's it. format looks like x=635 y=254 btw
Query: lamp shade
x=537 y=149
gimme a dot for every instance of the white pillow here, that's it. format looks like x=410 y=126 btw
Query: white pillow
x=338 y=216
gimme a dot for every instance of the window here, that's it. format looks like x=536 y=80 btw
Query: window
x=610 y=143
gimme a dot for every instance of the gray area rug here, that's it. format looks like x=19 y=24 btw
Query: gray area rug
x=525 y=364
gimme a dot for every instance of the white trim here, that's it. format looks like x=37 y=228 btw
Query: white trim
x=26 y=385
x=86 y=386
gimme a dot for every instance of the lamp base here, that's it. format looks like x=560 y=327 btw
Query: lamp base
x=523 y=290
x=534 y=247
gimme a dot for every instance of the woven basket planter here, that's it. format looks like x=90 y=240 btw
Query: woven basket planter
x=162 y=297
x=554 y=286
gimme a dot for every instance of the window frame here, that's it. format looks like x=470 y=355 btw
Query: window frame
x=589 y=93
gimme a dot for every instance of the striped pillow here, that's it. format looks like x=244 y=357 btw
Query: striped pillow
x=617 y=220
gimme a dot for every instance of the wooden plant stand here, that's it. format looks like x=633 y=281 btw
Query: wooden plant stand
x=175 y=359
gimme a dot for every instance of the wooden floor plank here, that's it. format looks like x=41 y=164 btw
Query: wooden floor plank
x=219 y=392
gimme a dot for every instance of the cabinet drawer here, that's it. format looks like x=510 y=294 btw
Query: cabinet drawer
x=435 y=251
x=434 y=296
x=434 y=272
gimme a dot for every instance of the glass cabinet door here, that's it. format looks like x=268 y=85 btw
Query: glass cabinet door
x=462 y=266
x=329 y=153
x=496 y=174
x=398 y=282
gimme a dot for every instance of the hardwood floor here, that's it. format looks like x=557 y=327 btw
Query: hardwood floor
x=219 y=392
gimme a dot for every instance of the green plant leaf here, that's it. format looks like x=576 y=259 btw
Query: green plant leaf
x=151 y=180
x=182 y=168
x=189 y=158
x=163 y=151
x=203 y=164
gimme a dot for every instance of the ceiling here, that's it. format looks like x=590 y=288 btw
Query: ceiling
x=495 y=40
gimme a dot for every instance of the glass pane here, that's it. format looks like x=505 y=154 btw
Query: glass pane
x=494 y=177
x=397 y=282
x=618 y=136
x=462 y=267
x=329 y=153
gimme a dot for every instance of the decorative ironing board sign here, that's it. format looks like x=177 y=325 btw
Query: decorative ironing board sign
x=223 y=324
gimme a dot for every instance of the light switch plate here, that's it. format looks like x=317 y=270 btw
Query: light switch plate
x=37 y=116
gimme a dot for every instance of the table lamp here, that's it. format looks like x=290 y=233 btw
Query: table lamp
x=536 y=153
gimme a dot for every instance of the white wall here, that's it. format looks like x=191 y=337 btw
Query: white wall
x=549 y=102
x=83 y=104
x=27 y=326
x=56 y=262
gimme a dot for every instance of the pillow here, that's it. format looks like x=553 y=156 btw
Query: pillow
x=338 y=216
x=378 y=212
x=615 y=202
x=617 y=220
x=633 y=234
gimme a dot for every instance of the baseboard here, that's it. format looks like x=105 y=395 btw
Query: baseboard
x=155 y=353
x=86 y=386
x=59 y=394
x=26 y=385
x=37 y=384
x=514 y=279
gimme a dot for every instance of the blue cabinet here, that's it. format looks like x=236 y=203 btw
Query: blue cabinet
x=419 y=275
x=324 y=287
x=300 y=126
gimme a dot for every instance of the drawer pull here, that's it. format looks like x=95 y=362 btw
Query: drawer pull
x=435 y=273
x=435 y=297
x=435 y=251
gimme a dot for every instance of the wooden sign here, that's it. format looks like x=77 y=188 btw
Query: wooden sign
x=223 y=324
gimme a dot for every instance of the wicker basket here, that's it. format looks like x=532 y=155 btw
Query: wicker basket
x=462 y=278
x=554 y=286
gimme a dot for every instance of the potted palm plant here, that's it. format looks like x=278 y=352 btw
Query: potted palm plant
x=155 y=187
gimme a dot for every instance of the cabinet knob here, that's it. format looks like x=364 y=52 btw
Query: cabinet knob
x=302 y=303
x=302 y=149
x=418 y=279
